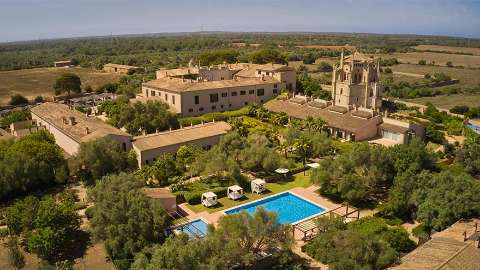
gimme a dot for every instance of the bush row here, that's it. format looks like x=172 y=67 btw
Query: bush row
x=209 y=117
x=195 y=197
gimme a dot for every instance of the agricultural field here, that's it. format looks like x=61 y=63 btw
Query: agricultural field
x=328 y=47
x=450 y=49
x=449 y=101
x=441 y=59
x=39 y=81
x=467 y=77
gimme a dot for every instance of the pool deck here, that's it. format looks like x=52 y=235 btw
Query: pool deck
x=308 y=193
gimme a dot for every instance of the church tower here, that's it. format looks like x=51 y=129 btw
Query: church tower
x=356 y=84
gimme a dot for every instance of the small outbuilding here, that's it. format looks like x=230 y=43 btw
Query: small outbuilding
x=235 y=192
x=209 y=199
x=258 y=185
x=166 y=198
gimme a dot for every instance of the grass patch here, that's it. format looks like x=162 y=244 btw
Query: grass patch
x=298 y=180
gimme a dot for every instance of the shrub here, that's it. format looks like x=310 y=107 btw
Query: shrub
x=89 y=212
x=421 y=231
x=388 y=70
x=422 y=62
x=18 y=100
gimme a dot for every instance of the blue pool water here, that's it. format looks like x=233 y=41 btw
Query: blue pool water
x=196 y=227
x=289 y=207
x=474 y=128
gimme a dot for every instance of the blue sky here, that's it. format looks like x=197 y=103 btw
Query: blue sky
x=33 y=19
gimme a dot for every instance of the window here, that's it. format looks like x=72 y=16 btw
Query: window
x=222 y=78
x=234 y=94
x=213 y=98
x=246 y=102
x=197 y=100
x=221 y=106
x=341 y=91
x=146 y=162
x=166 y=97
x=274 y=85
x=268 y=73
x=201 y=109
x=261 y=100
x=173 y=99
x=152 y=93
x=243 y=92
x=230 y=105
x=260 y=92
x=224 y=94
x=214 y=107
x=251 y=92
x=259 y=72
x=275 y=91
x=190 y=110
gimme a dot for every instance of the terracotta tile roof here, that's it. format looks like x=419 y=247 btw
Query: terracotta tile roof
x=180 y=85
x=54 y=113
x=179 y=71
x=185 y=135
x=394 y=128
x=445 y=251
x=342 y=121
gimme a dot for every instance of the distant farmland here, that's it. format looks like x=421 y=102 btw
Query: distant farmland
x=439 y=58
x=39 y=81
x=438 y=48
x=467 y=77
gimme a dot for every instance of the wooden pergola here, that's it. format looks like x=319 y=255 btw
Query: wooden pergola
x=309 y=227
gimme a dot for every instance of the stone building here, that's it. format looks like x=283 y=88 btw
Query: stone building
x=356 y=82
x=149 y=147
x=122 y=69
x=71 y=127
x=197 y=90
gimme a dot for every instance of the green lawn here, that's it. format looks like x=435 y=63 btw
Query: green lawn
x=299 y=180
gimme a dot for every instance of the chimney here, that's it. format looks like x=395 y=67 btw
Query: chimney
x=64 y=119
x=181 y=126
x=170 y=128
x=71 y=120
x=87 y=131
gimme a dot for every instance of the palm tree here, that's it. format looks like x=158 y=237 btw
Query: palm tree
x=304 y=148
x=284 y=147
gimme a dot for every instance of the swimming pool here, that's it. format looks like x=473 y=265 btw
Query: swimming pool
x=289 y=207
x=197 y=227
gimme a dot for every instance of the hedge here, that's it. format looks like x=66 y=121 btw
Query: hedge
x=217 y=116
x=195 y=197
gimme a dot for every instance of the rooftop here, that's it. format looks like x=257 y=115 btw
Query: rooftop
x=345 y=121
x=4 y=135
x=56 y=114
x=445 y=251
x=182 y=85
x=178 y=136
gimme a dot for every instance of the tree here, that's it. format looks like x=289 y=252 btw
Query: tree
x=347 y=249
x=39 y=99
x=15 y=116
x=237 y=240
x=267 y=55
x=67 y=83
x=18 y=99
x=48 y=226
x=469 y=157
x=422 y=62
x=125 y=218
x=359 y=175
x=449 y=64
x=460 y=109
x=30 y=163
x=98 y=158
x=325 y=67
x=15 y=256
x=186 y=155
x=303 y=148
x=164 y=168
